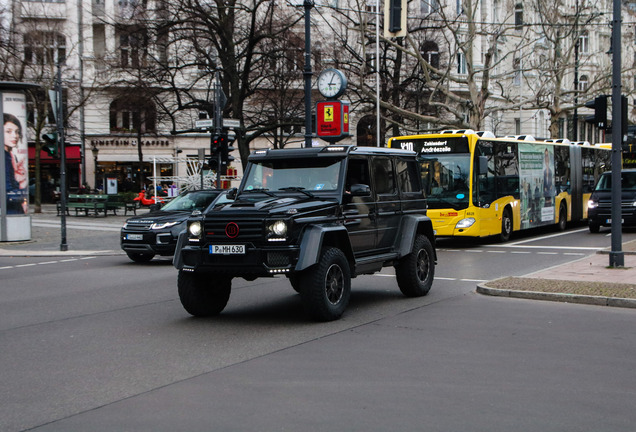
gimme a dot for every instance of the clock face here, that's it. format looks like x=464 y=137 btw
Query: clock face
x=331 y=83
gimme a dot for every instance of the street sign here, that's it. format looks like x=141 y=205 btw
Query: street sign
x=204 y=124
x=231 y=123
x=209 y=123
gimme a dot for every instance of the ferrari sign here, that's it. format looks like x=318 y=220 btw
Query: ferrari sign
x=332 y=120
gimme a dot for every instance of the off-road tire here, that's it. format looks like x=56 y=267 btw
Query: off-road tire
x=294 y=280
x=203 y=295
x=326 y=286
x=140 y=257
x=506 y=225
x=415 y=271
x=594 y=227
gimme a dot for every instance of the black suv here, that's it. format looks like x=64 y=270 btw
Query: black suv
x=320 y=216
x=155 y=233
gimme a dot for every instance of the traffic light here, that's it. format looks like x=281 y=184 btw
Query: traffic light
x=599 y=105
x=395 y=16
x=215 y=151
x=226 y=149
x=50 y=144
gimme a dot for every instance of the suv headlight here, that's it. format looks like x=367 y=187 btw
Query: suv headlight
x=277 y=231
x=195 y=229
x=592 y=204
x=157 y=226
x=465 y=223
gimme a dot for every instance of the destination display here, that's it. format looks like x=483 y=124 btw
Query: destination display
x=433 y=145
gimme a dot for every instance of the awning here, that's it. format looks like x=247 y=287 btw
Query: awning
x=73 y=155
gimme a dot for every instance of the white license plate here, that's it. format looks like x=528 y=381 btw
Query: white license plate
x=227 y=249
x=609 y=221
x=134 y=236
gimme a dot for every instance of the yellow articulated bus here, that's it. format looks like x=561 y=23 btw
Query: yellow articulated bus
x=479 y=185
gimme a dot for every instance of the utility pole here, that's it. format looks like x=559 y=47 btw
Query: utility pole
x=616 y=255
x=62 y=150
x=308 y=73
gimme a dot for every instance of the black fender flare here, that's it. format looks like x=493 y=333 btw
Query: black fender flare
x=411 y=226
x=177 y=260
x=315 y=237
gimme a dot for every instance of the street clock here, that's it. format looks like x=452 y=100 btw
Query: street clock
x=331 y=83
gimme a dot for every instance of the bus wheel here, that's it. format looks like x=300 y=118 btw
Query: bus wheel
x=506 y=225
x=563 y=218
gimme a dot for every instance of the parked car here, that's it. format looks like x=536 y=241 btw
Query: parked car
x=155 y=233
x=599 y=206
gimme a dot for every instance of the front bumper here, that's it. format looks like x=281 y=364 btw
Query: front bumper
x=256 y=262
x=156 y=242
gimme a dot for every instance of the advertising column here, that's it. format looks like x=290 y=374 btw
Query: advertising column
x=15 y=222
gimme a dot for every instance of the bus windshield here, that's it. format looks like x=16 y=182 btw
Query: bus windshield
x=445 y=179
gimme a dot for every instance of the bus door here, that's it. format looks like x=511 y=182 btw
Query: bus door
x=496 y=167
x=486 y=211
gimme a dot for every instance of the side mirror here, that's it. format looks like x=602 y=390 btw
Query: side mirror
x=360 y=190
x=155 y=207
x=231 y=194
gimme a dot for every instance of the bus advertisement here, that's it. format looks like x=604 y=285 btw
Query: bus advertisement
x=478 y=185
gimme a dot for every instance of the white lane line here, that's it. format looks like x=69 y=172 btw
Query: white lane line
x=548 y=236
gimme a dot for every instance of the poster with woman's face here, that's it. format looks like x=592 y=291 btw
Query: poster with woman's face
x=16 y=153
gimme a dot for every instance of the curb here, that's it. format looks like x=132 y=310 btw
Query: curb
x=23 y=253
x=558 y=297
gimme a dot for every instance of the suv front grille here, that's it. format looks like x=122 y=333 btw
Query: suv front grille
x=139 y=225
x=248 y=229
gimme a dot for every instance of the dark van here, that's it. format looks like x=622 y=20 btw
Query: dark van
x=599 y=207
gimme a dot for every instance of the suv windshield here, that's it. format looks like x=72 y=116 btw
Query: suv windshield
x=628 y=181
x=310 y=174
x=191 y=201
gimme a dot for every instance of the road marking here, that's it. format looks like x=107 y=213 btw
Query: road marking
x=26 y=265
x=547 y=237
x=547 y=253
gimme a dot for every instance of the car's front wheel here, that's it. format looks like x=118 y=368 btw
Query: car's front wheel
x=140 y=257
x=326 y=287
x=415 y=271
x=203 y=294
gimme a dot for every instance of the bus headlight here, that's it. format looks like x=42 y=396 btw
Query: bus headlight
x=465 y=223
x=195 y=229
x=592 y=204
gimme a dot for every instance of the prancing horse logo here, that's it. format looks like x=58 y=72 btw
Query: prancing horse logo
x=232 y=230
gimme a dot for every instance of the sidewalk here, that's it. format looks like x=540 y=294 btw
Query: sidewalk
x=589 y=280
x=85 y=235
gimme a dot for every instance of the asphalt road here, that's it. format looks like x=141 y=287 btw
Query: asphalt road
x=103 y=344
